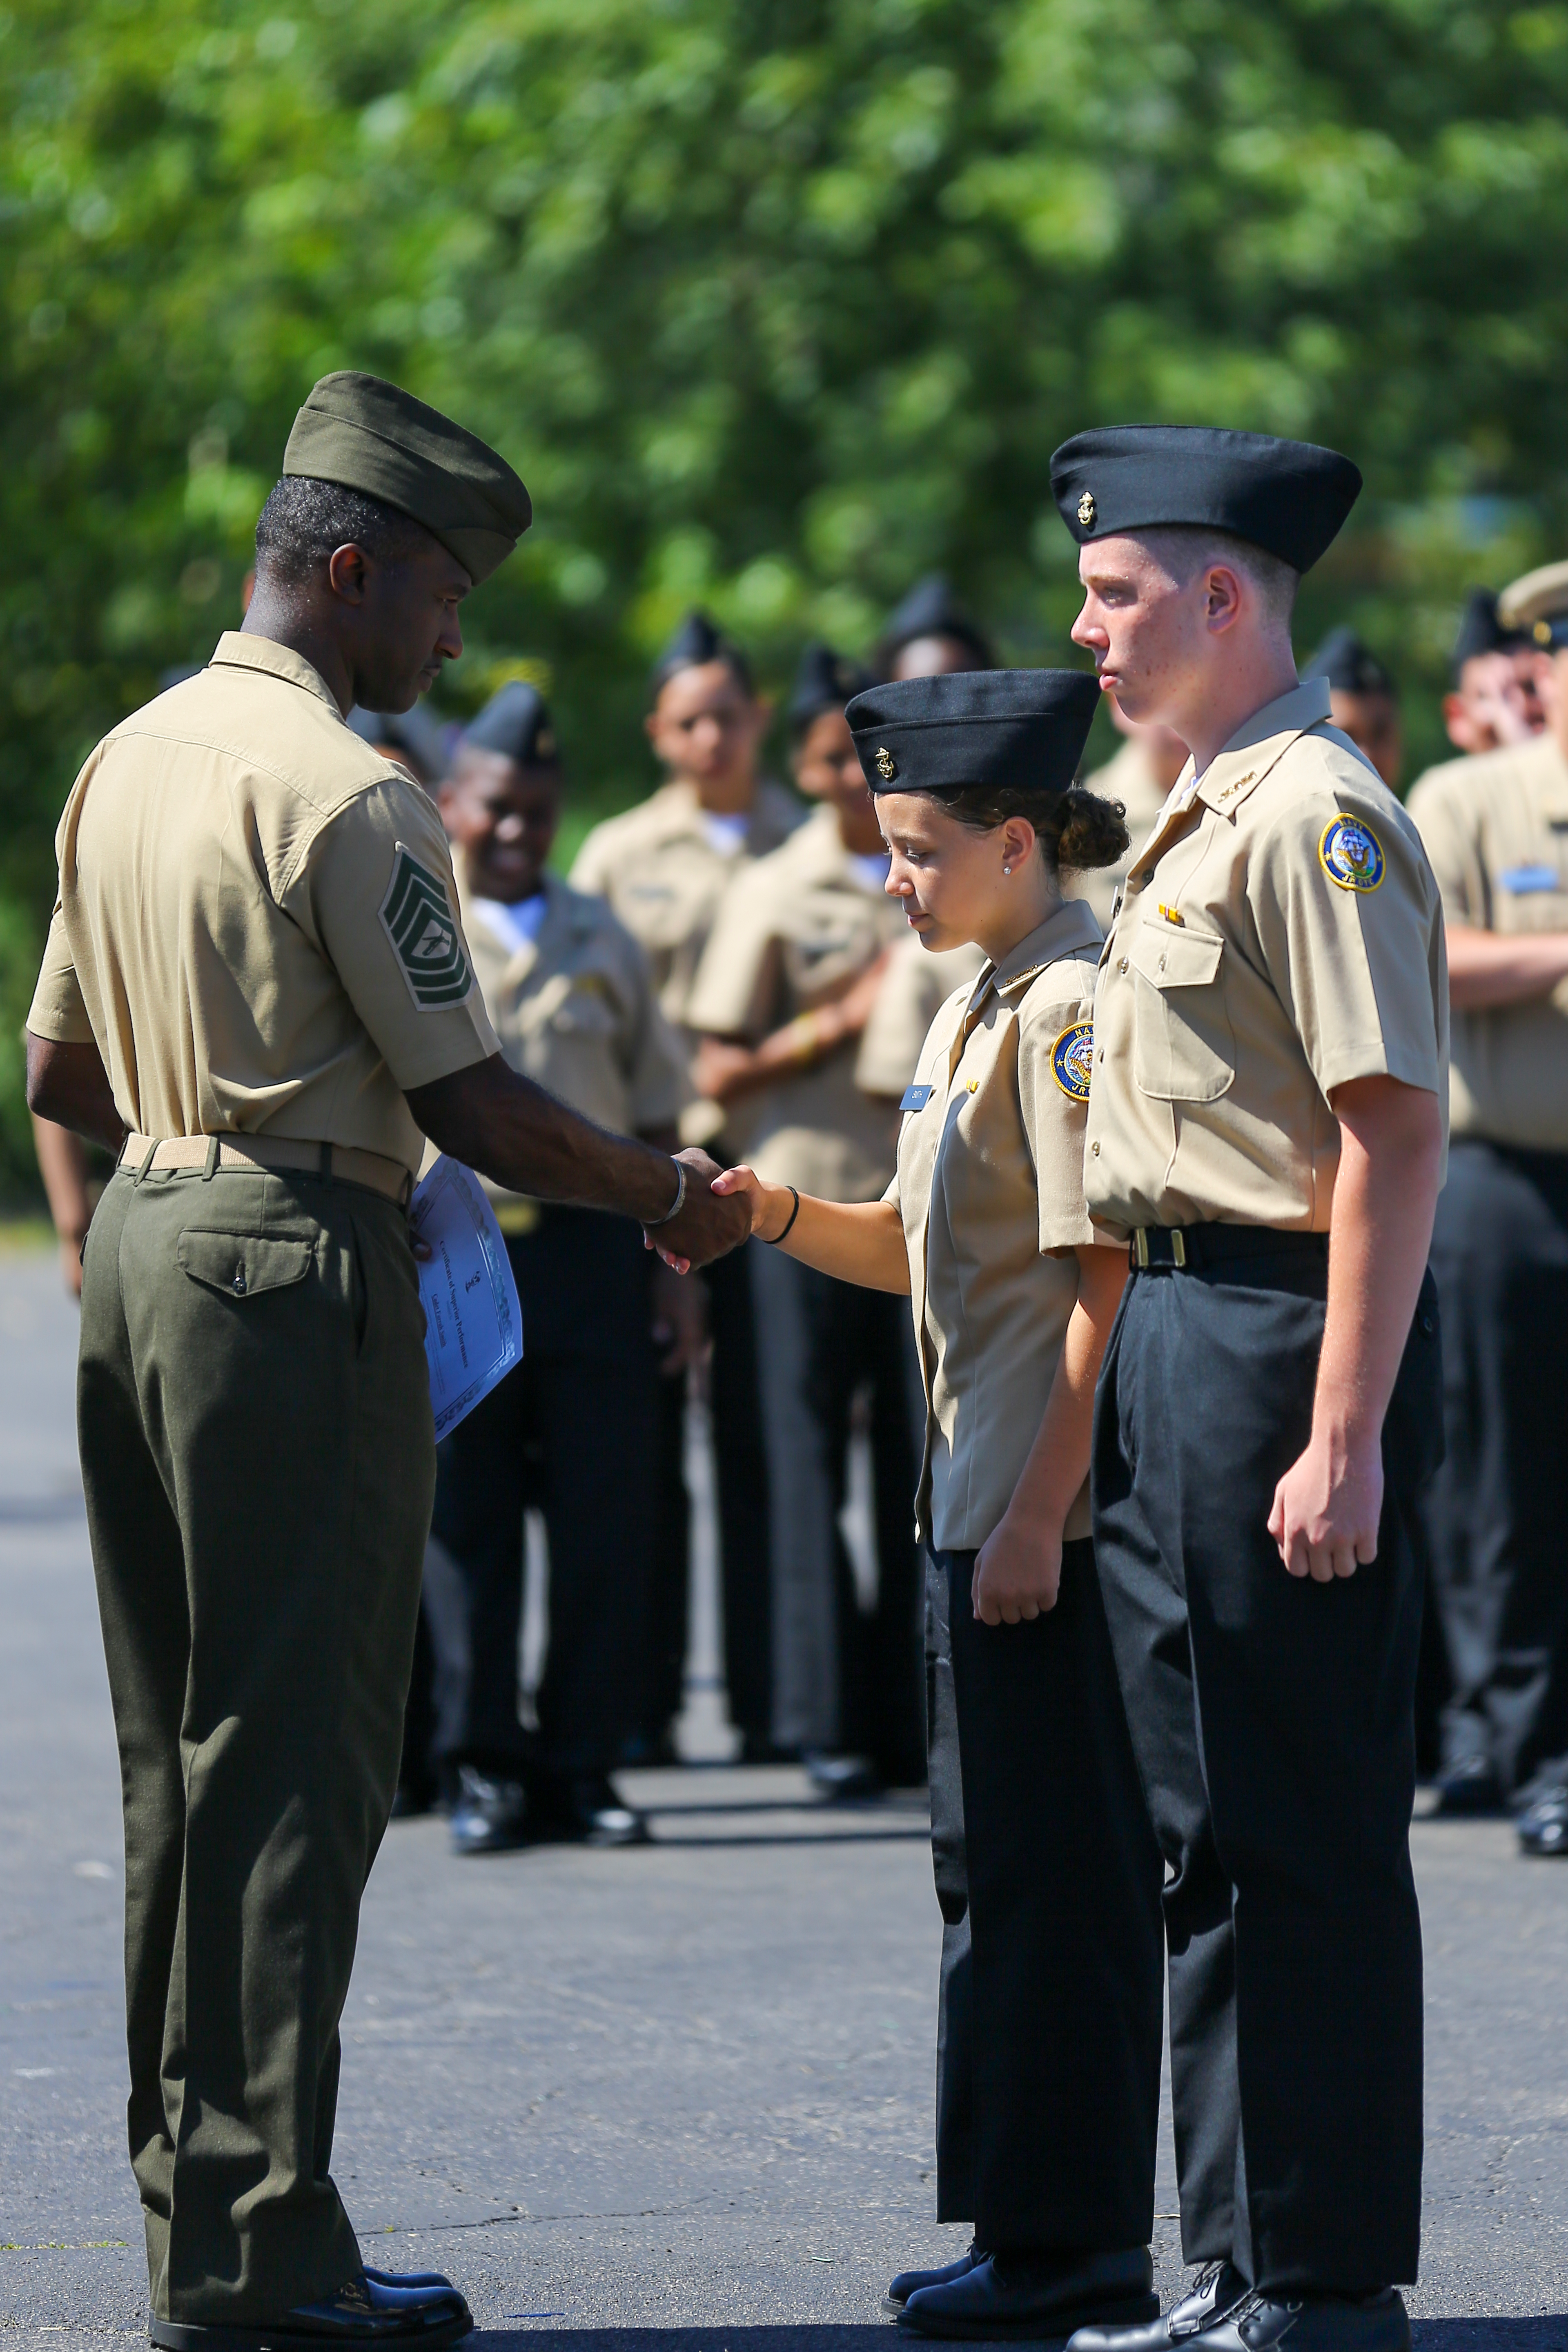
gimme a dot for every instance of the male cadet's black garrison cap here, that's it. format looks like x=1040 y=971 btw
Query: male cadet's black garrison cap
x=931 y=610
x=414 y=733
x=1289 y=498
x=1350 y=666
x=369 y=435
x=824 y=681
x=1023 y=728
x=698 y=641
x=1536 y=607
x=515 y=723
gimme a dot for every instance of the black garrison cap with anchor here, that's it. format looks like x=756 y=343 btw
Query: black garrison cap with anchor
x=824 y=681
x=931 y=610
x=369 y=435
x=1023 y=727
x=516 y=723
x=1289 y=497
x=1350 y=666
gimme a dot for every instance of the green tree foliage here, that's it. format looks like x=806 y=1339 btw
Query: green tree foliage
x=775 y=303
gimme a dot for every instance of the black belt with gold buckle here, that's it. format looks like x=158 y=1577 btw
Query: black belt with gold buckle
x=1186 y=1248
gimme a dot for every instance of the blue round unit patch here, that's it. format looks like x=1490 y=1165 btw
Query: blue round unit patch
x=1351 y=854
x=1072 y=1059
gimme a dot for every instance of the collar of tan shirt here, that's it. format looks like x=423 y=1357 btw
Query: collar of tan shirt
x=237 y=650
x=1072 y=930
x=1257 y=746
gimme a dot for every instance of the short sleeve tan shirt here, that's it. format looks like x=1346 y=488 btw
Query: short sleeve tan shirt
x=575 y=1011
x=257 y=921
x=1281 y=934
x=918 y=984
x=793 y=929
x=990 y=1190
x=663 y=869
x=1496 y=830
x=1128 y=778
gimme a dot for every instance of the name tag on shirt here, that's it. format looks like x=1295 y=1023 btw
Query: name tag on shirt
x=1522 y=880
x=916 y=1097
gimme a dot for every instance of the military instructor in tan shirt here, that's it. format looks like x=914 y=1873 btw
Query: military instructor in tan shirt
x=1496 y=829
x=1267 y=1128
x=257 y=992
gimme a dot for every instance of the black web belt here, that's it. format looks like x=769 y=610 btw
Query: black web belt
x=1189 y=1248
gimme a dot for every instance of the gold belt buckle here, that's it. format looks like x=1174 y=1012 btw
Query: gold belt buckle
x=1178 y=1245
x=1140 y=1245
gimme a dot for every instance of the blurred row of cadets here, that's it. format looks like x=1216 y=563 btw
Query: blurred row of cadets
x=724 y=966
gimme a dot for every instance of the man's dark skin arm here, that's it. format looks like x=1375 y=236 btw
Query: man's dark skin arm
x=485 y=1116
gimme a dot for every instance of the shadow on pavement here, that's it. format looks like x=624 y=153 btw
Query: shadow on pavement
x=1544 y=2334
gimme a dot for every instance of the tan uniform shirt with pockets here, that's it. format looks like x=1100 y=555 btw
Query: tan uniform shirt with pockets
x=1280 y=935
x=918 y=984
x=990 y=1190
x=664 y=874
x=793 y=931
x=1496 y=830
x=575 y=1011
x=257 y=921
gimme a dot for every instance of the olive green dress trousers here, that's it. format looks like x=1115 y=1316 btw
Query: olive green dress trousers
x=258 y=1459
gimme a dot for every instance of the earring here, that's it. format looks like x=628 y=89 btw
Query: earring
x=1008 y=870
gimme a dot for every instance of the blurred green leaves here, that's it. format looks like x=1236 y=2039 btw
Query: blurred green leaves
x=773 y=302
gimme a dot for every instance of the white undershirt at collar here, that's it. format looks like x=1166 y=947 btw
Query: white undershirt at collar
x=514 y=922
x=725 y=834
x=871 y=872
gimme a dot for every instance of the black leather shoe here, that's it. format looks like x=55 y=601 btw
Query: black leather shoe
x=489 y=1816
x=1217 y=2288
x=1543 y=1825
x=367 y=2311
x=1034 y=2296
x=910 y=2283
x=585 y=1809
x=1319 y=2323
x=407 y=2278
x=843 y=1780
x=1468 y=1790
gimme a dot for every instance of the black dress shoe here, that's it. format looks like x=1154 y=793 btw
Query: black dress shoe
x=584 y=1809
x=1543 y=1823
x=1467 y=1791
x=910 y=2283
x=367 y=2311
x=1317 y=2323
x=488 y=1816
x=407 y=2278
x=1217 y=2286
x=843 y=1780
x=1034 y=2296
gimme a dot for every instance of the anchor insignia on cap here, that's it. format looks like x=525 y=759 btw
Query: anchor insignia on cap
x=1086 y=510
x=886 y=766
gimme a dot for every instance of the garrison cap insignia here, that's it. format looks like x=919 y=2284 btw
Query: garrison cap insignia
x=1072 y=1060
x=1351 y=854
x=886 y=766
x=1086 y=510
x=420 y=924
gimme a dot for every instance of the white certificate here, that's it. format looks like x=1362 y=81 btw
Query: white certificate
x=473 y=1321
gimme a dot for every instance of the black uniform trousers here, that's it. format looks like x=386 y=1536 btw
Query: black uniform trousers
x=1061 y=2034
x=954 y=2008
x=740 y=1498
x=1497 y=1510
x=1273 y=1723
x=571 y=1431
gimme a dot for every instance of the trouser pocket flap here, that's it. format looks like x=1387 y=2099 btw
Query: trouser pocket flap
x=242 y=1264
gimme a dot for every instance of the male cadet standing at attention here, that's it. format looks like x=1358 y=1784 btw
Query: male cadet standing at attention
x=1496 y=829
x=257 y=993
x=664 y=866
x=1267 y=1125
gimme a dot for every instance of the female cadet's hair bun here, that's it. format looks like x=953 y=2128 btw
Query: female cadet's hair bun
x=1074 y=827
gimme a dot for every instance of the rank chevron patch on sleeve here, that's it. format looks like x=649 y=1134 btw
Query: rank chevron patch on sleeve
x=418 y=920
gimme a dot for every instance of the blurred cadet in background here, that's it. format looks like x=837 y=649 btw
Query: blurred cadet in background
x=1496 y=830
x=929 y=635
x=663 y=867
x=1496 y=696
x=790 y=974
x=1139 y=776
x=573 y=1430
x=411 y=738
x=1363 y=701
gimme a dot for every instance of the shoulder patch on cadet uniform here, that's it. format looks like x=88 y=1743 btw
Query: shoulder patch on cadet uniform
x=1351 y=854
x=423 y=933
x=1072 y=1060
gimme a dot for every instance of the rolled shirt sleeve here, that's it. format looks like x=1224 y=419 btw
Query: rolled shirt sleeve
x=58 y=1011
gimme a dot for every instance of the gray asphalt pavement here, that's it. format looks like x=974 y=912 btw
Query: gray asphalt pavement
x=685 y=2090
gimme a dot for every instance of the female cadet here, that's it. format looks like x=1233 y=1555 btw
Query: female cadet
x=791 y=971
x=985 y=1224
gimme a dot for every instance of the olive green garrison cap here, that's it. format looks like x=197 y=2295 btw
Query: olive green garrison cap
x=369 y=435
